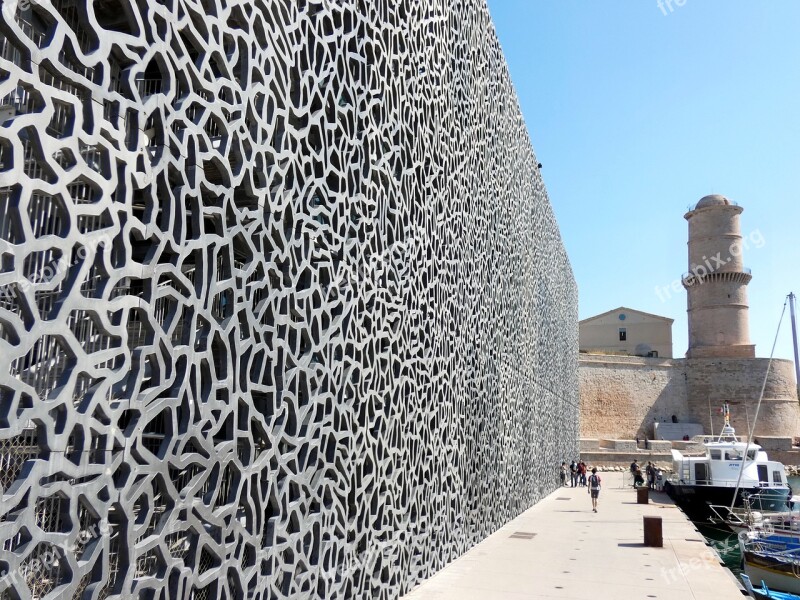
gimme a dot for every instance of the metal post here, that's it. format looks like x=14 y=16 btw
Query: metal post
x=792 y=300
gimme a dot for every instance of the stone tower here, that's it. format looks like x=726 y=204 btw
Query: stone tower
x=716 y=283
x=721 y=365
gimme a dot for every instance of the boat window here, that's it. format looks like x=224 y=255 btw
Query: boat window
x=762 y=474
x=716 y=455
x=733 y=455
x=751 y=454
x=776 y=477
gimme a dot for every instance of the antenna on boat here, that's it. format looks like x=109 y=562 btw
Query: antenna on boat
x=710 y=416
x=751 y=428
x=727 y=430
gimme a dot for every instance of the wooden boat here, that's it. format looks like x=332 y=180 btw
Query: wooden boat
x=773 y=559
x=764 y=593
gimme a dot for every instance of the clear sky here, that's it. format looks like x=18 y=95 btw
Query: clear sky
x=636 y=114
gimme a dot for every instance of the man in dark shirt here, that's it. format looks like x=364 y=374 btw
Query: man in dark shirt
x=651 y=474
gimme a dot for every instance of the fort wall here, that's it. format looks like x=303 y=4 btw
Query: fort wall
x=621 y=396
x=711 y=382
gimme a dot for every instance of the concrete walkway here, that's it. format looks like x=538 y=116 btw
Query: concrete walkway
x=559 y=548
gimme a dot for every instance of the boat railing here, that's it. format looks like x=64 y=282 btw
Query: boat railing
x=782 y=550
x=724 y=514
x=781 y=523
x=764 y=485
x=767 y=522
x=771 y=542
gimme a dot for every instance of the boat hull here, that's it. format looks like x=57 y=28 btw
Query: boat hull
x=777 y=575
x=695 y=499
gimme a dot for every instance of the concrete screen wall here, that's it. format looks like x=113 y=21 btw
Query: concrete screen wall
x=284 y=308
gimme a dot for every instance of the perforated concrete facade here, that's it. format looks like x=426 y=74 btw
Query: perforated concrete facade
x=284 y=309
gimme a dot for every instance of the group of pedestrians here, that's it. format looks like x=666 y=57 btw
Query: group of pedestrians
x=577 y=474
x=638 y=478
x=577 y=477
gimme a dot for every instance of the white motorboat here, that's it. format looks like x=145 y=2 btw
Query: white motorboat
x=725 y=474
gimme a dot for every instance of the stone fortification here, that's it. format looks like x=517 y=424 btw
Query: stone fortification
x=713 y=381
x=716 y=284
x=622 y=396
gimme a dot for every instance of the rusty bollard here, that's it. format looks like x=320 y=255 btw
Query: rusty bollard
x=652 y=532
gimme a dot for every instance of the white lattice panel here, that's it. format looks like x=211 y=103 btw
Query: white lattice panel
x=284 y=309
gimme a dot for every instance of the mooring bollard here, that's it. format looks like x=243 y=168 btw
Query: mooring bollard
x=652 y=532
x=642 y=495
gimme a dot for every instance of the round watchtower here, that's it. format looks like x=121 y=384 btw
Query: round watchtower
x=716 y=283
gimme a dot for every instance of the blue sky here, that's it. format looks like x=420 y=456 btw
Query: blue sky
x=636 y=114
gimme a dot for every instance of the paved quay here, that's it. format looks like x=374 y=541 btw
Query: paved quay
x=559 y=548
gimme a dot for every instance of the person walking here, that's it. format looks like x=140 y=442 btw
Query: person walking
x=573 y=470
x=594 y=487
x=582 y=474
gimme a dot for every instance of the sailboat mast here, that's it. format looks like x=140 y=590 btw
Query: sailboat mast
x=751 y=429
x=792 y=300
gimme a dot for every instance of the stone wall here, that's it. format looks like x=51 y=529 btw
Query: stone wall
x=603 y=459
x=711 y=382
x=622 y=396
x=284 y=308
